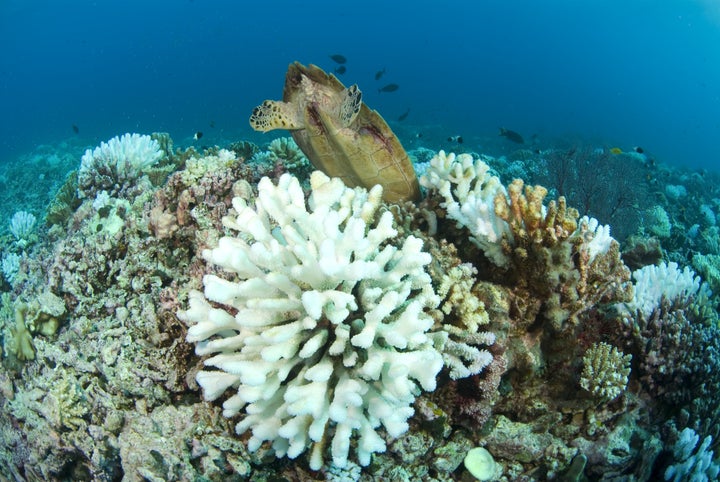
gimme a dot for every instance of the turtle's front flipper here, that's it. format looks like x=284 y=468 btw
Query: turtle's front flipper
x=273 y=114
x=351 y=101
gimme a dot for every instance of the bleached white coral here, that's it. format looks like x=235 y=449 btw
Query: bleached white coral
x=10 y=266
x=115 y=162
x=469 y=191
x=691 y=464
x=22 y=225
x=197 y=167
x=319 y=324
x=102 y=199
x=652 y=283
x=460 y=345
x=460 y=351
x=596 y=237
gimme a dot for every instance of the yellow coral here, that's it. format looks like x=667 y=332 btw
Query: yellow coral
x=529 y=220
x=21 y=344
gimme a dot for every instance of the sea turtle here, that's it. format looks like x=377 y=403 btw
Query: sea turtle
x=338 y=133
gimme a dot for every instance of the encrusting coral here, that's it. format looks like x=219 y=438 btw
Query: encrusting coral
x=322 y=328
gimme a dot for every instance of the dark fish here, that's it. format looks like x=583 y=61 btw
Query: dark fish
x=404 y=115
x=379 y=73
x=511 y=135
x=198 y=135
x=340 y=59
x=457 y=139
x=341 y=70
x=389 y=88
x=638 y=149
x=76 y=129
x=419 y=135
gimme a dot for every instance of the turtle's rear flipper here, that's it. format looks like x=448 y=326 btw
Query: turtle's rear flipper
x=273 y=114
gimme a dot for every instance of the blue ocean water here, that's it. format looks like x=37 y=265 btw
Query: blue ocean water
x=614 y=73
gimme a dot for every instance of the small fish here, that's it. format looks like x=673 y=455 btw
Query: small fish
x=389 y=88
x=75 y=129
x=615 y=150
x=511 y=136
x=638 y=149
x=337 y=58
x=341 y=70
x=379 y=73
x=457 y=139
x=418 y=135
x=198 y=135
x=404 y=115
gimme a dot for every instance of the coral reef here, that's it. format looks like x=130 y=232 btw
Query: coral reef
x=392 y=338
x=10 y=266
x=64 y=203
